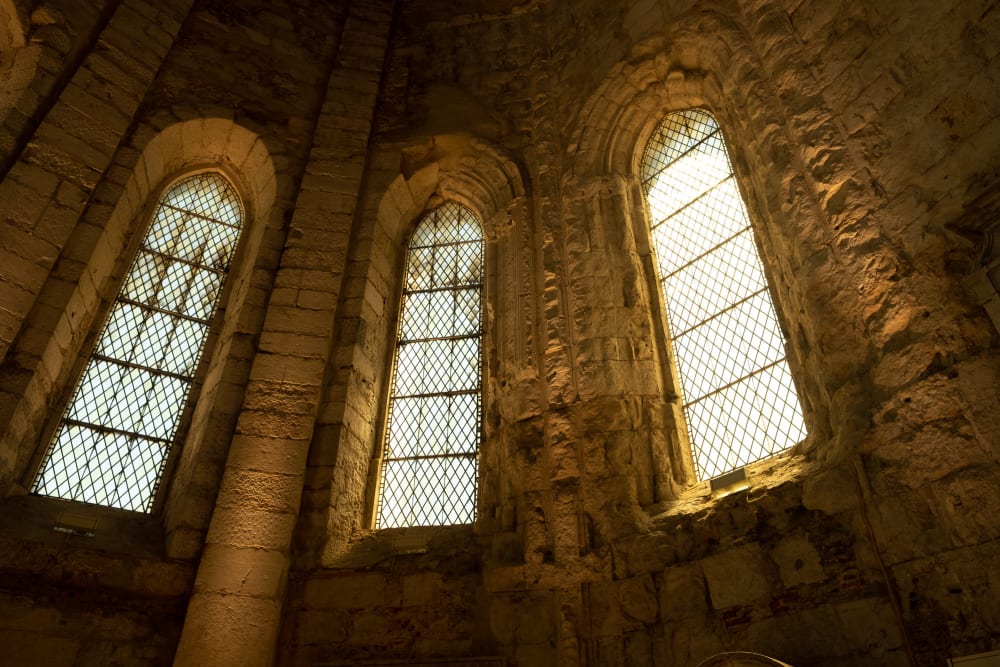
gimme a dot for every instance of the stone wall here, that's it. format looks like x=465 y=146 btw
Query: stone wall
x=865 y=142
x=588 y=520
x=148 y=115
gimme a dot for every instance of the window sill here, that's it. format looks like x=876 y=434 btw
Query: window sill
x=761 y=476
x=375 y=546
x=64 y=523
x=78 y=546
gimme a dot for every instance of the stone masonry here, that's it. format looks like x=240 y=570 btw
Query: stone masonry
x=866 y=141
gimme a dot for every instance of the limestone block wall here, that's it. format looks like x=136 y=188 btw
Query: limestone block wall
x=157 y=104
x=392 y=594
x=106 y=599
x=856 y=547
x=42 y=46
x=865 y=143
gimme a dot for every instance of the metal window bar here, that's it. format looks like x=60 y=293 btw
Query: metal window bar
x=431 y=447
x=740 y=401
x=112 y=444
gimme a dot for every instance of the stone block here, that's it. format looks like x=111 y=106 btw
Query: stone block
x=346 y=592
x=277 y=425
x=738 y=576
x=421 y=589
x=638 y=599
x=38 y=648
x=832 y=491
x=253 y=488
x=798 y=561
x=253 y=530
x=683 y=593
x=238 y=571
x=245 y=626
x=316 y=626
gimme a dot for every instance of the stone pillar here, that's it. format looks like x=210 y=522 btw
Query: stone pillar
x=50 y=197
x=43 y=47
x=235 y=610
x=51 y=183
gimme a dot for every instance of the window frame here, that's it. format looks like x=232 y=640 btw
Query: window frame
x=393 y=329
x=108 y=296
x=661 y=323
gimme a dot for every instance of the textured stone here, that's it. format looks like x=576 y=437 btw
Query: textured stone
x=864 y=139
x=798 y=562
x=738 y=576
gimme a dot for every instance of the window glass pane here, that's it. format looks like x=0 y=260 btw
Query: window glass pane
x=736 y=342
x=739 y=397
x=723 y=277
x=468 y=264
x=114 y=439
x=202 y=294
x=432 y=439
x=173 y=286
x=433 y=426
x=440 y=313
x=164 y=230
x=420 y=274
x=697 y=228
x=748 y=421
x=428 y=492
x=437 y=366
x=122 y=334
x=690 y=177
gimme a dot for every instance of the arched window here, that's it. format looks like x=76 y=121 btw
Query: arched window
x=740 y=402
x=430 y=453
x=111 y=446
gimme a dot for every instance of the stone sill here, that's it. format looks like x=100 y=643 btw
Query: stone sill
x=769 y=473
x=64 y=523
x=374 y=546
x=74 y=545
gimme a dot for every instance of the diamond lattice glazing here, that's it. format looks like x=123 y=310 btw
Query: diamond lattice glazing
x=113 y=441
x=432 y=438
x=740 y=399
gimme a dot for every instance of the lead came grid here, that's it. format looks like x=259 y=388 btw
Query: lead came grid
x=740 y=399
x=112 y=443
x=432 y=440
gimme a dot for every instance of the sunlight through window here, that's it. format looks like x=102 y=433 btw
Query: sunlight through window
x=432 y=438
x=112 y=444
x=739 y=398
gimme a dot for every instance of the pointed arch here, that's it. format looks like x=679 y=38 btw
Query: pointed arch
x=739 y=398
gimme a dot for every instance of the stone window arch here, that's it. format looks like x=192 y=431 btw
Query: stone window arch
x=739 y=398
x=429 y=464
x=112 y=444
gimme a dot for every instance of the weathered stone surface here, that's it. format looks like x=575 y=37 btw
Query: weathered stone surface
x=738 y=576
x=798 y=562
x=865 y=142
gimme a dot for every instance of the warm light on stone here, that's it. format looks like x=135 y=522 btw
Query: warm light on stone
x=864 y=142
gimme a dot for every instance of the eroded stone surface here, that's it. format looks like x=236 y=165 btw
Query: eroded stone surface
x=865 y=142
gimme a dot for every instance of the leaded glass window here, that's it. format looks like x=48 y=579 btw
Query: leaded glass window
x=429 y=467
x=740 y=401
x=112 y=443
